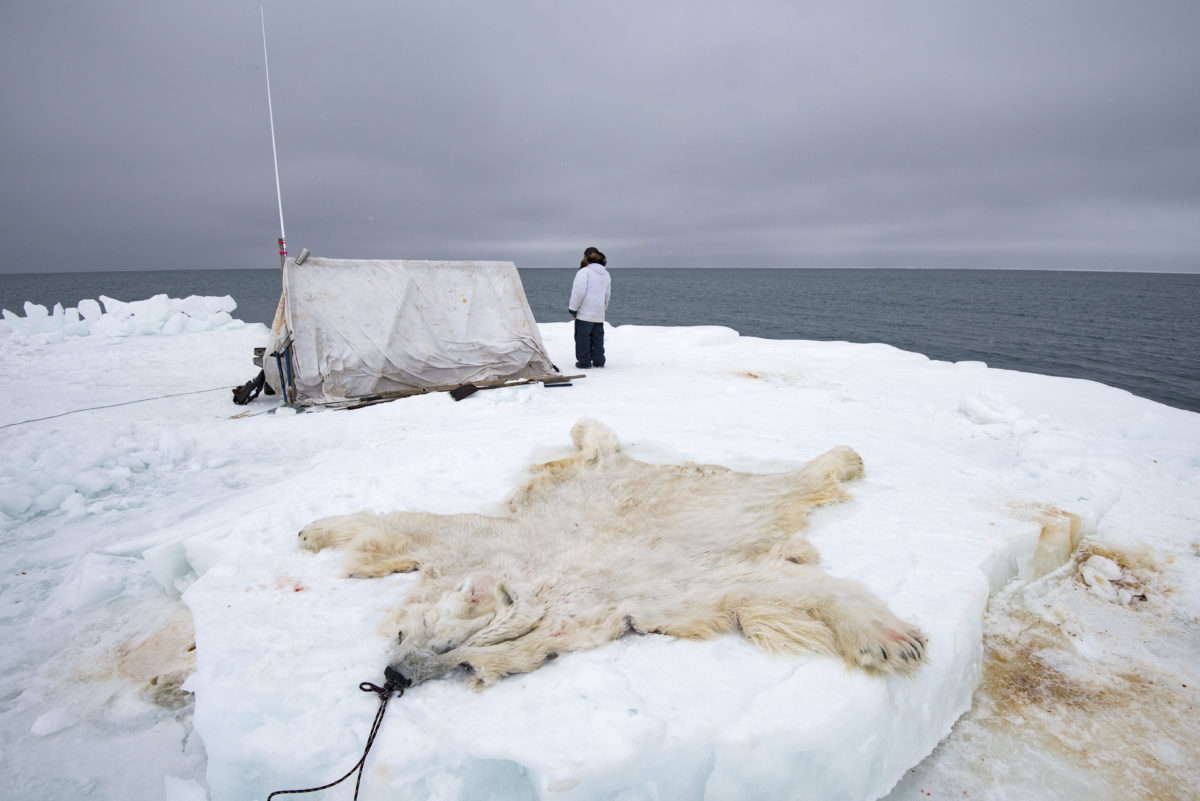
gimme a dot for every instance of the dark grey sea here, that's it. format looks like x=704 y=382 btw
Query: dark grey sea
x=1137 y=331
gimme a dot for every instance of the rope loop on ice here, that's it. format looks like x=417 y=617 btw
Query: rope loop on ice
x=394 y=684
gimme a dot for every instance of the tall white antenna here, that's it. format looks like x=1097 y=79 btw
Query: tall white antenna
x=274 y=151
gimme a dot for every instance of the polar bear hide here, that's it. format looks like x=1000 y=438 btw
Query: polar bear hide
x=599 y=544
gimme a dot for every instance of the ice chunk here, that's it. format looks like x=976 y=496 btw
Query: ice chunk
x=92 y=482
x=117 y=309
x=174 y=324
x=14 y=501
x=108 y=326
x=35 y=311
x=53 y=497
x=150 y=319
x=151 y=312
x=74 y=326
x=90 y=310
x=100 y=578
x=1100 y=573
x=1105 y=567
x=37 y=320
x=198 y=307
x=195 y=307
x=169 y=565
x=220 y=319
x=53 y=721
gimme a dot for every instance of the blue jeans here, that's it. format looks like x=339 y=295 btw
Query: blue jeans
x=589 y=343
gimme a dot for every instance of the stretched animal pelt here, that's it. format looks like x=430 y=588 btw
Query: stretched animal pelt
x=600 y=544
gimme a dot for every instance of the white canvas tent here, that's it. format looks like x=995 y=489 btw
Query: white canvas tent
x=348 y=329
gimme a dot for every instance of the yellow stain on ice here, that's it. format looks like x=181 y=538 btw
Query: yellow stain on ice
x=162 y=660
x=1130 y=723
x=1059 y=536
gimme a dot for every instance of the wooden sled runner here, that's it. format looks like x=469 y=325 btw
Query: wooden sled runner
x=459 y=391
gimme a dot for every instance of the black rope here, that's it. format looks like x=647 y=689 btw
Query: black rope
x=111 y=406
x=394 y=684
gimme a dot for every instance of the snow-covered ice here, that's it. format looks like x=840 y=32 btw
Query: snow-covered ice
x=165 y=638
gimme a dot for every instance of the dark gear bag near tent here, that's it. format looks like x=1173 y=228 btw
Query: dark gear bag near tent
x=350 y=330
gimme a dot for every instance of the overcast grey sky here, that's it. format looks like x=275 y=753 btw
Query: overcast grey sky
x=1014 y=133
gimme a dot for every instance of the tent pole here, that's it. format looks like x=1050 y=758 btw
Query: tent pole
x=288 y=381
x=274 y=150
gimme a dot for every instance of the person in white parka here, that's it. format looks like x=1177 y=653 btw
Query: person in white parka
x=589 y=300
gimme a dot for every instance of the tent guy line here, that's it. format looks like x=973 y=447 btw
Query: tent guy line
x=111 y=406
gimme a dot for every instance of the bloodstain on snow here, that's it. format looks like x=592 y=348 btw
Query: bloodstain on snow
x=289 y=583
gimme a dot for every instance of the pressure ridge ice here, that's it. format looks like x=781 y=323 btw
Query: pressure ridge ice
x=115 y=318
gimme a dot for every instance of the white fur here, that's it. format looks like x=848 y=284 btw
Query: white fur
x=600 y=544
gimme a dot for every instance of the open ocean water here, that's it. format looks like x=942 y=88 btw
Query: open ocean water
x=1137 y=331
